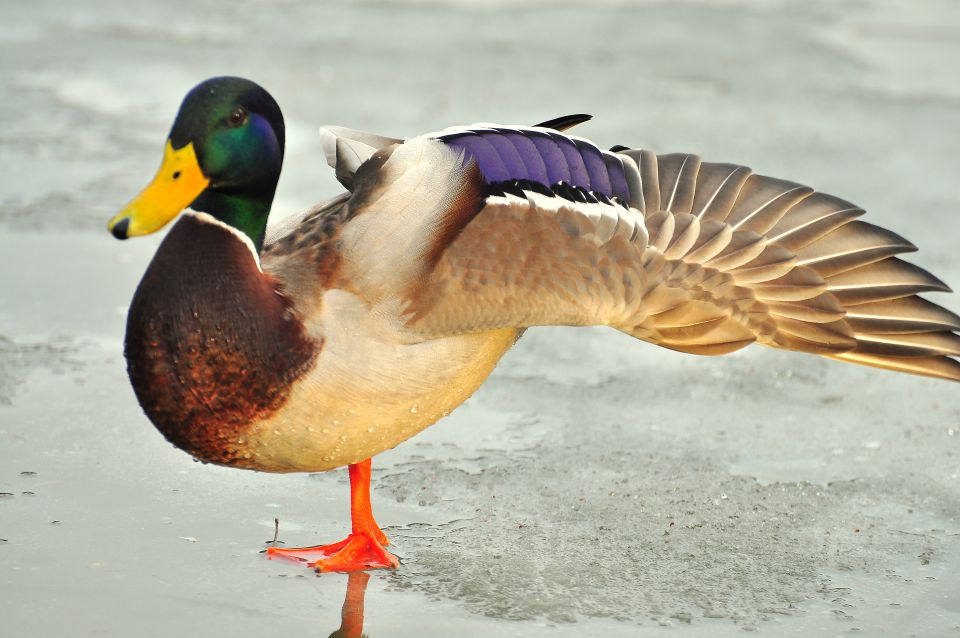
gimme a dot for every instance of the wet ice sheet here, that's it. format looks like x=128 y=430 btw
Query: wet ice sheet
x=111 y=525
x=595 y=485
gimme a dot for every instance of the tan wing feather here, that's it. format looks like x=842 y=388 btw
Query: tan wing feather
x=803 y=274
x=527 y=262
x=299 y=252
x=709 y=259
x=678 y=180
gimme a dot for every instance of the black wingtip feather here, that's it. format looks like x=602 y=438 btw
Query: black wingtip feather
x=565 y=122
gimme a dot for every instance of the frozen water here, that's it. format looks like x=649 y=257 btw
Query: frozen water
x=595 y=485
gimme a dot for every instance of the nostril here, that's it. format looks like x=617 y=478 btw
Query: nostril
x=176 y=174
x=120 y=229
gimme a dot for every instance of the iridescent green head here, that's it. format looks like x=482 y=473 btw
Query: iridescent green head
x=223 y=157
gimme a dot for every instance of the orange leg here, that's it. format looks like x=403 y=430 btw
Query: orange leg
x=362 y=549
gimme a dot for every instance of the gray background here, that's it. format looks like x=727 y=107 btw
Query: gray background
x=595 y=485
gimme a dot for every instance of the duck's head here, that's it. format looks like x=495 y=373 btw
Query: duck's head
x=223 y=157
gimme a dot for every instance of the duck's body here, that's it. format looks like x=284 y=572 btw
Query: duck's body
x=290 y=388
x=363 y=321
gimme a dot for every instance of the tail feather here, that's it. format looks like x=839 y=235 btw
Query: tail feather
x=744 y=258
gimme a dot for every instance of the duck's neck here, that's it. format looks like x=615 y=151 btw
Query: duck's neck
x=245 y=211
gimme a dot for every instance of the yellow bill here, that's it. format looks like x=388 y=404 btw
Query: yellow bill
x=178 y=182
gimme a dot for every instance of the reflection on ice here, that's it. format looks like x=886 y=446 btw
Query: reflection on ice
x=351 y=615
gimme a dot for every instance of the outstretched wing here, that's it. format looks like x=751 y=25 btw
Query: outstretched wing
x=482 y=228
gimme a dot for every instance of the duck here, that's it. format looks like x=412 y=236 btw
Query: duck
x=344 y=330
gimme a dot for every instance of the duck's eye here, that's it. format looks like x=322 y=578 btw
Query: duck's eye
x=237 y=117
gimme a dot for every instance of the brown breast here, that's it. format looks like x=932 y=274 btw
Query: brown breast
x=212 y=346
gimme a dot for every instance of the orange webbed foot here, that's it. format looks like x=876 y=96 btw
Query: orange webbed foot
x=305 y=554
x=362 y=549
x=358 y=551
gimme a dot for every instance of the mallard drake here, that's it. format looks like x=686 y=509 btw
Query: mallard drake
x=355 y=325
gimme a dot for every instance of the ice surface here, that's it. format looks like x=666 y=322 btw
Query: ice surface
x=595 y=485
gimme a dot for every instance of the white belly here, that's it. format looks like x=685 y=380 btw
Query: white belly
x=370 y=389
